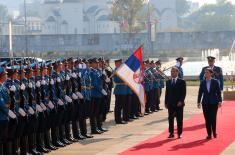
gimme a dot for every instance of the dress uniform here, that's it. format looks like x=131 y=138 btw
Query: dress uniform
x=148 y=87
x=11 y=146
x=217 y=72
x=5 y=115
x=97 y=92
x=179 y=66
x=156 y=86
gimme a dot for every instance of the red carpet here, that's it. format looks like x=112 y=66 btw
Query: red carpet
x=193 y=141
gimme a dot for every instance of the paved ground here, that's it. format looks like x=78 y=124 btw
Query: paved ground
x=121 y=137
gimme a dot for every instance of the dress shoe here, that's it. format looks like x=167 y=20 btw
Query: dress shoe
x=71 y=139
x=179 y=136
x=51 y=147
x=80 y=137
x=208 y=137
x=34 y=152
x=59 y=144
x=87 y=136
x=96 y=132
x=66 y=142
x=121 y=122
x=103 y=129
x=171 y=136
x=215 y=135
x=43 y=150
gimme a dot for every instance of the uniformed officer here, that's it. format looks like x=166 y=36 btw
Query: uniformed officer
x=217 y=72
x=120 y=95
x=161 y=84
x=32 y=124
x=179 y=63
x=5 y=114
x=156 y=86
x=11 y=145
x=97 y=92
x=148 y=80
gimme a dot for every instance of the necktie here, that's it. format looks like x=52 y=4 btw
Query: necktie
x=173 y=82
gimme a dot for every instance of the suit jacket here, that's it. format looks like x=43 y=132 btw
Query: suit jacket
x=212 y=97
x=176 y=93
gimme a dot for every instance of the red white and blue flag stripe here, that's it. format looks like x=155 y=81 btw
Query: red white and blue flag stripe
x=132 y=73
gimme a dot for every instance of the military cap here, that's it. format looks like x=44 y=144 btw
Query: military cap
x=117 y=60
x=210 y=58
x=209 y=69
x=158 y=62
x=179 y=59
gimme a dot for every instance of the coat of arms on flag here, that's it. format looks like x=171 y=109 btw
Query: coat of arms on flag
x=132 y=73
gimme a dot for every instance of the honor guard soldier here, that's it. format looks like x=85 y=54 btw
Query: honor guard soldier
x=109 y=71
x=5 y=115
x=97 y=93
x=217 y=72
x=32 y=118
x=120 y=92
x=161 y=83
x=148 y=86
x=84 y=92
x=179 y=63
x=156 y=86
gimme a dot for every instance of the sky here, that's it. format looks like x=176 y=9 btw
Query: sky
x=202 y=2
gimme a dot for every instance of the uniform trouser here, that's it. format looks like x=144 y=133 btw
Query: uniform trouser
x=95 y=119
x=9 y=148
x=210 y=114
x=178 y=113
x=153 y=99
x=158 y=99
x=127 y=108
x=59 y=128
x=119 y=102
x=75 y=118
x=149 y=101
x=19 y=135
x=135 y=106
x=3 y=135
x=70 y=114
x=31 y=128
x=109 y=100
x=105 y=107
x=54 y=125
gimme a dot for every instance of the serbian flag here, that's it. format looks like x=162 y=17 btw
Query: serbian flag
x=132 y=73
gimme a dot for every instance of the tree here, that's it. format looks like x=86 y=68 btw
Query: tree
x=182 y=7
x=3 y=13
x=127 y=12
x=213 y=17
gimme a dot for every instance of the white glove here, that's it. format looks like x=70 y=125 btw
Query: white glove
x=30 y=85
x=11 y=114
x=74 y=96
x=52 y=82
x=51 y=105
x=31 y=111
x=80 y=66
x=80 y=74
x=58 y=80
x=107 y=80
x=60 y=102
x=22 y=112
x=68 y=99
x=80 y=96
x=43 y=106
x=67 y=77
x=13 y=88
x=39 y=108
x=22 y=87
x=38 y=84
x=104 y=92
x=74 y=75
x=84 y=66
x=43 y=82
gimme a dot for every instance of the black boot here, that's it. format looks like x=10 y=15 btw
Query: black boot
x=40 y=144
x=47 y=140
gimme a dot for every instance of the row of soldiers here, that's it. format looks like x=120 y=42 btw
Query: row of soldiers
x=127 y=105
x=45 y=106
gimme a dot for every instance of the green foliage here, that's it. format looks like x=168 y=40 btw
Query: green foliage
x=213 y=17
x=3 y=13
x=182 y=7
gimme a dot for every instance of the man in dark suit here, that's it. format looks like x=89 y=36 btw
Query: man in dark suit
x=174 y=101
x=210 y=97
